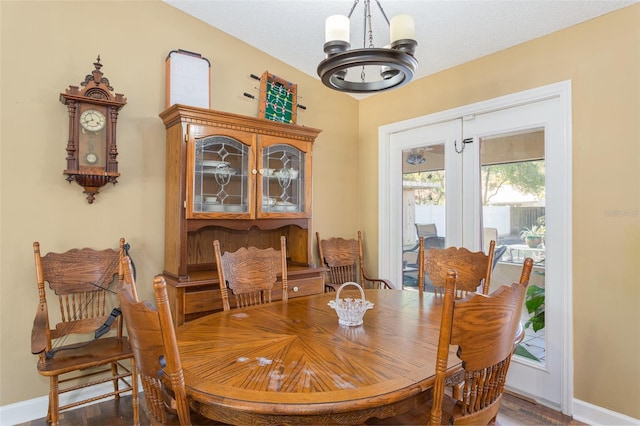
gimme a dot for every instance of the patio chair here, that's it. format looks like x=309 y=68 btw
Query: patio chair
x=500 y=250
x=430 y=232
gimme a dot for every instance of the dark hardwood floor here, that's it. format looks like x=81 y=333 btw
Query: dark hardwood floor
x=513 y=411
x=517 y=411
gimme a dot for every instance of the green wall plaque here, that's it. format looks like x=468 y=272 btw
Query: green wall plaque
x=278 y=99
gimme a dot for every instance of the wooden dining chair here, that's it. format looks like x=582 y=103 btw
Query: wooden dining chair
x=80 y=278
x=525 y=275
x=473 y=268
x=126 y=279
x=250 y=274
x=345 y=261
x=157 y=359
x=484 y=328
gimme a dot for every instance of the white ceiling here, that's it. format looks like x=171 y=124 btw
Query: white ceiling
x=449 y=32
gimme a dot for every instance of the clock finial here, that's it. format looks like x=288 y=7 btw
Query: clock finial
x=97 y=64
x=97 y=74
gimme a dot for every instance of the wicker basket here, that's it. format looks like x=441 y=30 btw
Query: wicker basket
x=350 y=311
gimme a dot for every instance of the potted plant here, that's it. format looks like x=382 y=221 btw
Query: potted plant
x=533 y=236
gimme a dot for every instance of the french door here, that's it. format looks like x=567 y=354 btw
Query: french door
x=464 y=157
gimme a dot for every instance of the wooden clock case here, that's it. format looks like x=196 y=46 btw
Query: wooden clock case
x=92 y=170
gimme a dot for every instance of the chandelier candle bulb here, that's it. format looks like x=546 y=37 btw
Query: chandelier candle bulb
x=402 y=27
x=337 y=28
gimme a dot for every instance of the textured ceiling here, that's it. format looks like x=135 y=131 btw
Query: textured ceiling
x=449 y=32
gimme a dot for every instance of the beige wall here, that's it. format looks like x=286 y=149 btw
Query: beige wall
x=48 y=45
x=42 y=55
x=602 y=58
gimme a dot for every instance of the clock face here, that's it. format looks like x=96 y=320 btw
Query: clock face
x=92 y=120
x=91 y=158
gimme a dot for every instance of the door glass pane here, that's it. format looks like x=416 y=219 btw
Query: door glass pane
x=423 y=212
x=513 y=206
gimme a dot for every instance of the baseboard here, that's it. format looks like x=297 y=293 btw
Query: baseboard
x=24 y=411
x=36 y=408
x=595 y=415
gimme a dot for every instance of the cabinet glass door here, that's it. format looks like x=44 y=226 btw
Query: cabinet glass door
x=221 y=175
x=283 y=179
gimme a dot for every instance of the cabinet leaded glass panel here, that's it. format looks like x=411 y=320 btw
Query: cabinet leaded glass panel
x=221 y=175
x=283 y=179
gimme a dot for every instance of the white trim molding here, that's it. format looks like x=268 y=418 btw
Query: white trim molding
x=389 y=230
x=596 y=416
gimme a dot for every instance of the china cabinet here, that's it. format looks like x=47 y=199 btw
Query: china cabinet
x=243 y=181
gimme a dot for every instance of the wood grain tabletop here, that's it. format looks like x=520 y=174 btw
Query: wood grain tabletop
x=292 y=363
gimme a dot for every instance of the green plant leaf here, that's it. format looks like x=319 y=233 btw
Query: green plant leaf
x=534 y=303
x=522 y=351
x=537 y=321
x=535 y=306
x=534 y=290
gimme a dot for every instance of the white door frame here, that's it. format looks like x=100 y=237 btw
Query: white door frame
x=390 y=203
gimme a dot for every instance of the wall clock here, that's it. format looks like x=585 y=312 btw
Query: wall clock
x=91 y=148
x=278 y=99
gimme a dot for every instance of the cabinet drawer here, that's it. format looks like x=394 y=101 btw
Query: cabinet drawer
x=305 y=286
x=210 y=300
x=202 y=301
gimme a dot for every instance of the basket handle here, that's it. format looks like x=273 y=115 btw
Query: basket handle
x=350 y=283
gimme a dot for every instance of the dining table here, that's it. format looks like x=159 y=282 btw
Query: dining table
x=291 y=362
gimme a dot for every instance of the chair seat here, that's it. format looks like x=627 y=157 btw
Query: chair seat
x=98 y=352
x=331 y=286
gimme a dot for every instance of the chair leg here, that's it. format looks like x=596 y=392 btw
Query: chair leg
x=52 y=416
x=49 y=408
x=455 y=392
x=134 y=393
x=114 y=373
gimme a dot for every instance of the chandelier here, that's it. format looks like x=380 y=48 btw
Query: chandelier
x=380 y=68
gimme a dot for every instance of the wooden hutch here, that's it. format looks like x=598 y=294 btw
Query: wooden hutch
x=243 y=181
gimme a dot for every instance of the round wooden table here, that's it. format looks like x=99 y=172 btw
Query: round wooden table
x=293 y=363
